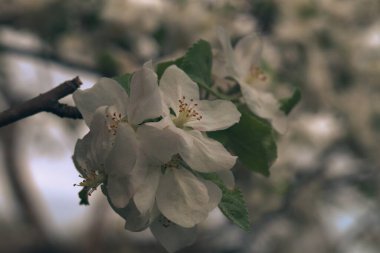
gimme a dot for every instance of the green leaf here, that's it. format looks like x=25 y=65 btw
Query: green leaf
x=232 y=205
x=83 y=196
x=252 y=140
x=288 y=104
x=124 y=81
x=197 y=62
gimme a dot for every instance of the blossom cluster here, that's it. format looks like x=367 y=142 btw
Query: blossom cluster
x=149 y=146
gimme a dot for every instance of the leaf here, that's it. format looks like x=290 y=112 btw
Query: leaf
x=252 y=140
x=232 y=205
x=197 y=62
x=288 y=104
x=124 y=81
x=83 y=196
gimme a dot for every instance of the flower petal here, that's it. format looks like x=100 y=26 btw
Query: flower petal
x=229 y=56
x=119 y=190
x=216 y=115
x=91 y=152
x=123 y=156
x=214 y=193
x=174 y=85
x=247 y=53
x=266 y=106
x=145 y=195
x=182 y=198
x=158 y=144
x=145 y=98
x=228 y=178
x=135 y=221
x=171 y=236
x=204 y=154
x=105 y=92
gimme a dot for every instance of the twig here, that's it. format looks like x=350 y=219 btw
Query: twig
x=46 y=102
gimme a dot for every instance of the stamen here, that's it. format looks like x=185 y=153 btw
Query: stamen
x=92 y=179
x=187 y=112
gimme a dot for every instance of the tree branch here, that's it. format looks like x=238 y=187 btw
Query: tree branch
x=46 y=102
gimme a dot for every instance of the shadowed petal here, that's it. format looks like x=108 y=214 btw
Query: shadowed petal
x=171 y=236
x=182 y=198
x=145 y=98
x=105 y=92
x=204 y=154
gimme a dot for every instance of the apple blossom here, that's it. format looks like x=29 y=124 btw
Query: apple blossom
x=241 y=63
x=186 y=118
x=112 y=145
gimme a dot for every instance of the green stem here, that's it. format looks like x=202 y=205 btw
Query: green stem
x=216 y=93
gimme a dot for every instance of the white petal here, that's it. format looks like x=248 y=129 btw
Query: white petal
x=247 y=53
x=171 y=236
x=204 y=154
x=266 y=106
x=182 y=198
x=99 y=141
x=158 y=144
x=228 y=178
x=105 y=92
x=229 y=56
x=216 y=115
x=149 y=65
x=214 y=193
x=145 y=195
x=175 y=85
x=119 y=190
x=134 y=220
x=123 y=156
x=145 y=98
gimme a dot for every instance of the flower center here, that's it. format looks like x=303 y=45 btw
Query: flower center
x=173 y=163
x=187 y=112
x=91 y=179
x=255 y=74
x=113 y=122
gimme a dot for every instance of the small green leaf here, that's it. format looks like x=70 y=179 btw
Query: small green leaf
x=124 y=81
x=288 y=104
x=232 y=205
x=252 y=140
x=83 y=196
x=197 y=62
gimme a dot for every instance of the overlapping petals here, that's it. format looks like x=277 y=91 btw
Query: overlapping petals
x=241 y=63
x=187 y=115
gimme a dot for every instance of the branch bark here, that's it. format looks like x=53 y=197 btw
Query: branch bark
x=46 y=102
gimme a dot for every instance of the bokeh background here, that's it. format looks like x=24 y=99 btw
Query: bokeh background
x=323 y=193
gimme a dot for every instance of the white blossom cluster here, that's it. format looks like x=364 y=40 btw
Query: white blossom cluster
x=148 y=147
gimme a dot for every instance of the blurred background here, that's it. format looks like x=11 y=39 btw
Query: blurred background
x=324 y=190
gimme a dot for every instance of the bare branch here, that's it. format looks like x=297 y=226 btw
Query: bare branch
x=47 y=102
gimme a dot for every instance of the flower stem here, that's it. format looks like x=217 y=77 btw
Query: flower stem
x=216 y=93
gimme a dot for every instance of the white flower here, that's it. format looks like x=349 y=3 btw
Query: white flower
x=172 y=200
x=241 y=63
x=112 y=146
x=172 y=204
x=187 y=117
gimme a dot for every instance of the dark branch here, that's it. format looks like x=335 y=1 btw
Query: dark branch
x=64 y=111
x=47 y=102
